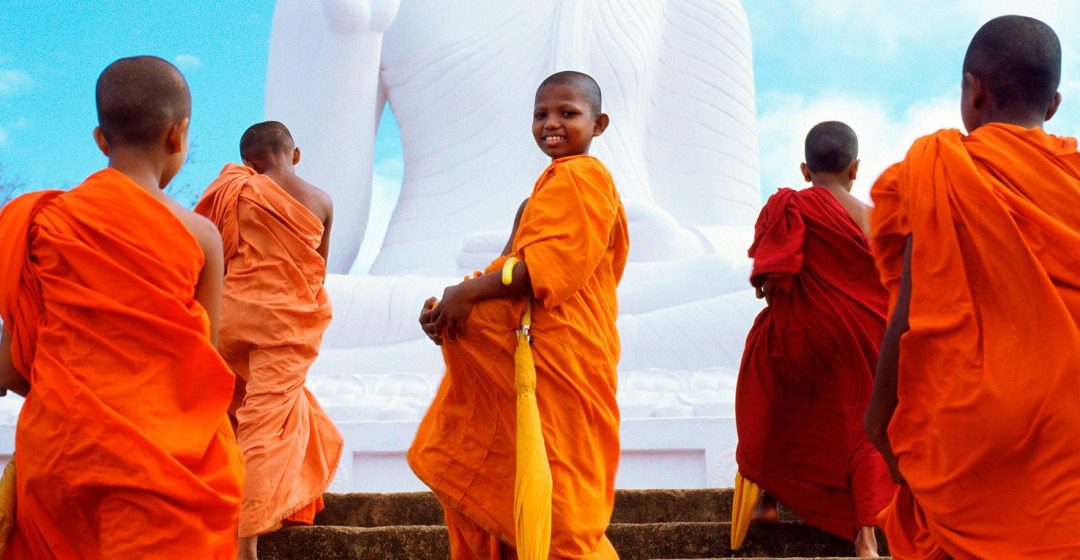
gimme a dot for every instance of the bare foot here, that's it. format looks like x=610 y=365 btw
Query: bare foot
x=866 y=543
x=248 y=548
x=766 y=511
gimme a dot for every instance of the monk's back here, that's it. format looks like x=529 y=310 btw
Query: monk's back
x=308 y=195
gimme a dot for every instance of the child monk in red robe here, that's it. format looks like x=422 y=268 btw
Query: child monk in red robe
x=275 y=228
x=109 y=297
x=807 y=372
x=572 y=242
x=977 y=238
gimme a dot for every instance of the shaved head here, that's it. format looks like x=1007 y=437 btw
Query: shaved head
x=138 y=98
x=831 y=147
x=1018 y=60
x=583 y=83
x=265 y=139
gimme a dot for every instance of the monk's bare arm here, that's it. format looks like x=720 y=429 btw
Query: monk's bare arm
x=447 y=316
x=513 y=231
x=10 y=378
x=884 y=399
x=211 y=278
x=324 y=246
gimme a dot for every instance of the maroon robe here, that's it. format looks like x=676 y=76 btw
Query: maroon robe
x=808 y=369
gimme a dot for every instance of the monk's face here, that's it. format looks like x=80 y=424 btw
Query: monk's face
x=563 y=121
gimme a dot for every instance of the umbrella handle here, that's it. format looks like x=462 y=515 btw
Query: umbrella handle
x=507 y=279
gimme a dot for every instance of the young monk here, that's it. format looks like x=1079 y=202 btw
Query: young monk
x=110 y=298
x=807 y=372
x=572 y=242
x=976 y=236
x=276 y=230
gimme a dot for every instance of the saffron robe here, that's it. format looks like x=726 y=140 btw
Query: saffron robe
x=808 y=370
x=124 y=446
x=986 y=426
x=573 y=238
x=274 y=311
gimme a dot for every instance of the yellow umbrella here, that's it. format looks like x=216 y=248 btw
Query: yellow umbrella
x=532 y=476
x=7 y=503
x=742 y=506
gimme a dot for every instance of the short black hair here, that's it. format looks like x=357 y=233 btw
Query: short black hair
x=265 y=138
x=138 y=98
x=1018 y=59
x=585 y=84
x=831 y=147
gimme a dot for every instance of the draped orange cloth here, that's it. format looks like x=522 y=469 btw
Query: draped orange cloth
x=274 y=311
x=808 y=369
x=989 y=412
x=573 y=238
x=125 y=448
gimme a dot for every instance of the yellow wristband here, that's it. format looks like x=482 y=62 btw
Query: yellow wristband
x=508 y=270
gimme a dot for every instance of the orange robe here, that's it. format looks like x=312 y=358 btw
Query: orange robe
x=573 y=237
x=124 y=446
x=986 y=430
x=274 y=311
x=808 y=369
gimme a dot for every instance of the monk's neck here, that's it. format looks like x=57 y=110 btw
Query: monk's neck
x=1015 y=118
x=140 y=167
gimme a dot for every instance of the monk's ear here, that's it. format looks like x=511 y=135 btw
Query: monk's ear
x=853 y=170
x=99 y=139
x=1054 y=104
x=295 y=156
x=600 y=124
x=805 y=172
x=177 y=136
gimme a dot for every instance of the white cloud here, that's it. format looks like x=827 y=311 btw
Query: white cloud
x=187 y=62
x=14 y=81
x=883 y=139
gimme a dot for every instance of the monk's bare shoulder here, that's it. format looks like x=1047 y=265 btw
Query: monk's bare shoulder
x=322 y=205
x=857 y=209
x=202 y=229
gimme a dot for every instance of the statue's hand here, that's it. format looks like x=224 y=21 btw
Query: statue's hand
x=478 y=249
x=656 y=236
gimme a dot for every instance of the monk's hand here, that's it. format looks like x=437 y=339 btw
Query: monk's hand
x=453 y=309
x=764 y=291
x=427 y=320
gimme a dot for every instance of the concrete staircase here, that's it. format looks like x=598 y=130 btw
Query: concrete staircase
x=646 y=525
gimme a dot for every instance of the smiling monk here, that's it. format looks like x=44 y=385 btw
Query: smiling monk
x=572 y=242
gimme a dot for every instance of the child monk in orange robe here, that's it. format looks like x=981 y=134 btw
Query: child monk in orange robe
x=109 y=297
x=977 y=238
x=808 y=369
x=572 y=242
x=275 y=228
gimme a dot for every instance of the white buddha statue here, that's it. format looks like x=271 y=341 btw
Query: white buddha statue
x=460 y=76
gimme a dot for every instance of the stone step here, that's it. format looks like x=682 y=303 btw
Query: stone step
x=633 y=541
x=631 y=506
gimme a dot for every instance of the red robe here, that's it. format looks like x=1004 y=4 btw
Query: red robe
x=808 y=369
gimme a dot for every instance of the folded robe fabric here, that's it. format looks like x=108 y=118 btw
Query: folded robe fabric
x=125 y=448
x=573 y=238
x=808 y=369
x=986 y=426
x=274 y=311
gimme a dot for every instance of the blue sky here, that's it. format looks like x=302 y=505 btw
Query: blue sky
x=891 y=69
